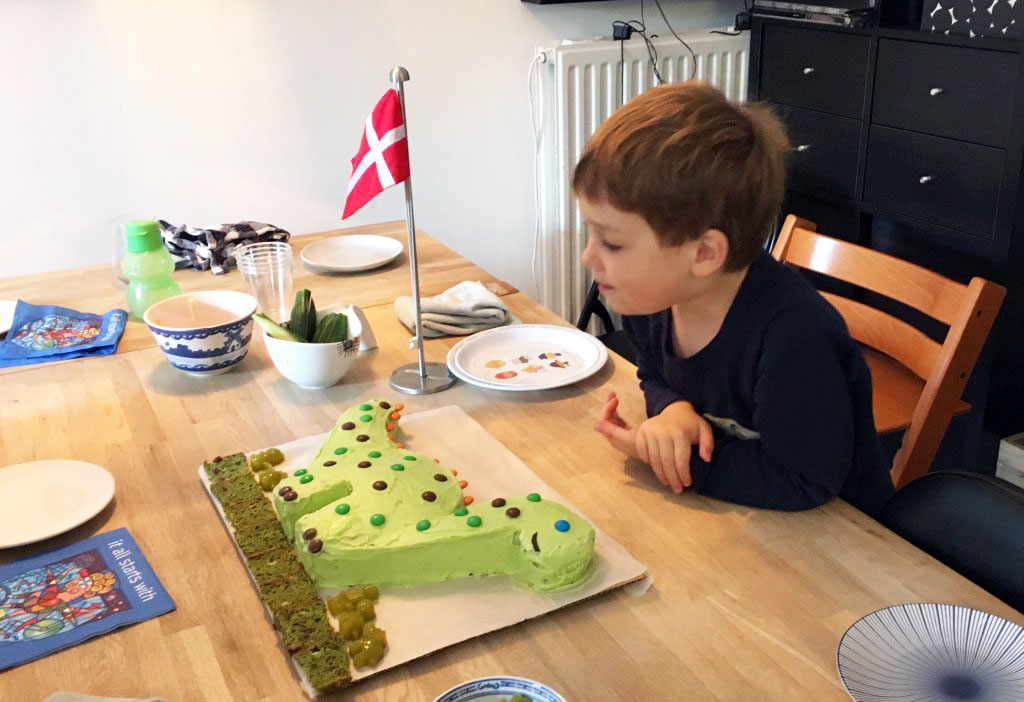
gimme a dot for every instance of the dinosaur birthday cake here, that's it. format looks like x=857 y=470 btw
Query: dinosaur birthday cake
x=368 y=510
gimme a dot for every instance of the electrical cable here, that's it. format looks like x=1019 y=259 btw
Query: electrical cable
x=688 y=48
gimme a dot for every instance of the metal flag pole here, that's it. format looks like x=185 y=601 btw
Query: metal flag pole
x=419 y=378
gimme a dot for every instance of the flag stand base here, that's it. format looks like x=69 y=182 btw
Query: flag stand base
x=407 y=378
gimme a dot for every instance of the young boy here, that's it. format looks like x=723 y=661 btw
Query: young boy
x=738 y=355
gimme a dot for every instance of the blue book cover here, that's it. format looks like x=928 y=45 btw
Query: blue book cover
x=57 y=599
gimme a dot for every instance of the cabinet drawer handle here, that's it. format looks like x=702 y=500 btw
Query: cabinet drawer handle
x=808 y=70
x=924 y=179
x=803 y=147
x=936 y=91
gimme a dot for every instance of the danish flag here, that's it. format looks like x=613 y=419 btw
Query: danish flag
x=383 y=156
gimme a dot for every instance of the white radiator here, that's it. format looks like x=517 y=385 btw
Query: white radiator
x=581 y=86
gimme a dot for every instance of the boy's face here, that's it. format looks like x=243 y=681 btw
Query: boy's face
x=635 y=273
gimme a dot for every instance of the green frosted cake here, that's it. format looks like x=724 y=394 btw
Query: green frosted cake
x=367 y=510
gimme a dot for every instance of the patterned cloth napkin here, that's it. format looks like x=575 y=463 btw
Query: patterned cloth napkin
x=463 y=309
x=41 y=333
x=214 y=249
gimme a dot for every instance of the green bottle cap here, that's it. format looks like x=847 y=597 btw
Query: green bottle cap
x=142 y=236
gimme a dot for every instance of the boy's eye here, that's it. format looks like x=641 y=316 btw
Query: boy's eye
x=610 y=246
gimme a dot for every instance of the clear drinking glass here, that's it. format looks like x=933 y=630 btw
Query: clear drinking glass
x=267 y=270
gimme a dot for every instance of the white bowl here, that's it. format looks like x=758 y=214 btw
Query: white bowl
x=499 y=689
x=203 y=349
x=317 y=366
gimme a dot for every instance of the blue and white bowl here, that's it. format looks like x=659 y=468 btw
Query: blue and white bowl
x=499 y=688
x=197 y=348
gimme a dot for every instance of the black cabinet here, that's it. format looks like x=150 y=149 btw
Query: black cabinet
x=911 y=143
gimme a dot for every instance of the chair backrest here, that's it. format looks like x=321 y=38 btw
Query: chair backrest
x=973 y=523
x=968 y=311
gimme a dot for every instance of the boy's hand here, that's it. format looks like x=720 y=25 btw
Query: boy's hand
x=665 y=442
x=612 y=427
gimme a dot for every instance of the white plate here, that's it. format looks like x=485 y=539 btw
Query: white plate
x=932 y=653
x=6 y=314
x=46 y=498
x=351 y=253
x=527 y=357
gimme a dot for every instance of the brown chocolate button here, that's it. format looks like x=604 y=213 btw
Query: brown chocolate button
x=429 y=496
x=285 y=489
x=380 y=485
x=364 y=464
x=498 y=502
x=218 y=459
x=329 y=463
x=440 y=477
x=385 y=405
x=362 y=437
x=289 y=496
x=309 y=533
x=512 y=512
x=315 y=545
x=348 y=425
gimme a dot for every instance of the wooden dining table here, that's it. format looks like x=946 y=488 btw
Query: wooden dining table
x=746 y=604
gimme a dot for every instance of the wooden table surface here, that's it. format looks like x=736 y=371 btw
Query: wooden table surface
x=94 y=289
x=746 y=604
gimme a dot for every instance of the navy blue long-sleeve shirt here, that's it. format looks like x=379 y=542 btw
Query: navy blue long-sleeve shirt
x=786 y=390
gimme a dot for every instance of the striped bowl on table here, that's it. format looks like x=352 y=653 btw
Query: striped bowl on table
x=203 y=350
x=499 y=688
x=926 y=652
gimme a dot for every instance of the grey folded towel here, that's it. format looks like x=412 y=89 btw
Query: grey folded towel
x=463 y=309
x=76 y=697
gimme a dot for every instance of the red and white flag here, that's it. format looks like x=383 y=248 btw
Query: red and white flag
x=383 y=156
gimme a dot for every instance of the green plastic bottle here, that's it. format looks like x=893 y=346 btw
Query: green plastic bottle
x=148 y=266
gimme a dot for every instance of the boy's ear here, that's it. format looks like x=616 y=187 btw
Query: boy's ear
x=712 y=252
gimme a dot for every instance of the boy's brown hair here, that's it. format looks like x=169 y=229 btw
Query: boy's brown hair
x=688 y=160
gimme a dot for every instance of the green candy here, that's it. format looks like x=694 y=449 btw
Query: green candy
x=533 y=497
x=474 y=521
x=377 y=519
x=398 y=467
x=461 y=512
x=422 y=525
x=301 y=471
x=343 y=508
x=366 y=418
x=305 y=478
x=340 y=450
x=374 y=454
x=409 y=458
x=365 y=407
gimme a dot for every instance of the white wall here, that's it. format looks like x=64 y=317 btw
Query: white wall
x=210 y=111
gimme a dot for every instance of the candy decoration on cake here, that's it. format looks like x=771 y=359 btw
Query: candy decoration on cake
x=383 y=514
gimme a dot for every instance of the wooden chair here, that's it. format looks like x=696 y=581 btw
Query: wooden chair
x=916 y=381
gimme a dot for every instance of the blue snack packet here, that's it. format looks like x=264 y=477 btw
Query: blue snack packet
x=41 y=333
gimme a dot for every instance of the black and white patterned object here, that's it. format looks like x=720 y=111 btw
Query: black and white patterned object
x=932 y=653
x=974 y=18
x=214 y=249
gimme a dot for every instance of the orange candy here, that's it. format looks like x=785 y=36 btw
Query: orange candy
x=399 y=407
x=389 y=427
x=395 y=416
x=399 y=445
x=454 y=472
x=463 y=484
x=391 y=436
x=437 y=460
x=467 y=500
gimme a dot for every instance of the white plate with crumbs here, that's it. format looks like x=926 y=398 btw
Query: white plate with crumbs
x=42 y=499
x=351 y=253
x=526 y=357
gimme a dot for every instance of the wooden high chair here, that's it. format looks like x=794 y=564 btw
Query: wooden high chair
x=916 y=381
